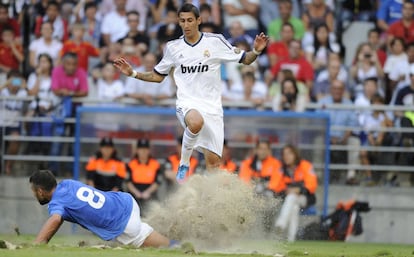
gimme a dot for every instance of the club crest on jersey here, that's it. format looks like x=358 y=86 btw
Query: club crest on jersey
x=237 y=50
x=206 y=53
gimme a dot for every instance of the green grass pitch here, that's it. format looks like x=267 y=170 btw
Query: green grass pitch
x=63 y=246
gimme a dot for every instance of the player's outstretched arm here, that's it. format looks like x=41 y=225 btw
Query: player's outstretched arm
x=126 y=69
x=49 y=229
x=260 y=43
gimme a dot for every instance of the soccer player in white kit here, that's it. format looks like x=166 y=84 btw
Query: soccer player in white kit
x=195 y=59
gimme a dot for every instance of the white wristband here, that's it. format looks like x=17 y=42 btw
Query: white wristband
x=256 y=52
x=134 y=74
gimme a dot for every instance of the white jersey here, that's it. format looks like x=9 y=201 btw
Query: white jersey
x=197 y=70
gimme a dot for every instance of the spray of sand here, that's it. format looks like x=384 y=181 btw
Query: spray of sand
x=212 y=211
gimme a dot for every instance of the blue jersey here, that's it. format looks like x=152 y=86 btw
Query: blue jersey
x=104 y=213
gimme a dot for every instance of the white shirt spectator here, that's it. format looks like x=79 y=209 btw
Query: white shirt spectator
x=47 y=98
x=372 y=124
x=401 y=69
x=107 y=6
x=12 y=108
x=324 y=75
x=361 y=76
x=115 y=25
x=236 y=91
x=58 y=27
x=39 y=46
x=322 y=53
x=249 y=22
x=362 y=101
x=110 y=91
x=233 y=71
x=393 y=60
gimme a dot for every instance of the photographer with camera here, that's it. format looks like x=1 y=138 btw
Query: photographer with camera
x=15 y=86
x=289 y=98
x=365 y=65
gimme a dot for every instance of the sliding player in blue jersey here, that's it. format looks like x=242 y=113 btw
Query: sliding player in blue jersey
x=109 y=215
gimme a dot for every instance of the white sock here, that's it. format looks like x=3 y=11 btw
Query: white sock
x=189 y=140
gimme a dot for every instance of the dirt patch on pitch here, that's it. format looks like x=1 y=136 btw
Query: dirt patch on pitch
x=213 y=212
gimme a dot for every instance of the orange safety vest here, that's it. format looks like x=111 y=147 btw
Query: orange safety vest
x=144 y=173
x=270 y=165
x=303 y=173
x=229 y=166
x=175 y=162
x=107 y=168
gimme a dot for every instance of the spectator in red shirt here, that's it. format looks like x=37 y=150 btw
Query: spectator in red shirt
x=300 y=67
x=6 y=21
x=77 y=45
x=279 y=50
x=11 y=53
x=403 y=28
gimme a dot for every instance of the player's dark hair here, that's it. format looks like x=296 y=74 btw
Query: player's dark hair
x=43 y=179
x=189 y=8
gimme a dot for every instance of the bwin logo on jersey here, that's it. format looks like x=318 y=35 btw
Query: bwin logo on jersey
x=195 y=68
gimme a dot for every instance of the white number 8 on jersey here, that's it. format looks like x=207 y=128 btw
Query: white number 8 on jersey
x=88 y=195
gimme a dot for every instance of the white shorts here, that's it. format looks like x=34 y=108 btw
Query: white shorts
x=135 y=231
x=211 y=136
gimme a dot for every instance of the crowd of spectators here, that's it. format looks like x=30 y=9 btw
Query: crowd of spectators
x=69 y=47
